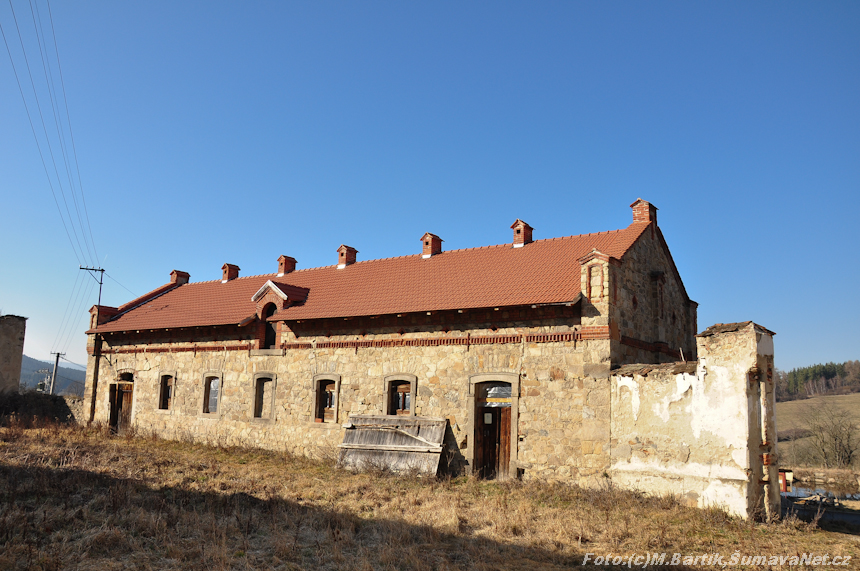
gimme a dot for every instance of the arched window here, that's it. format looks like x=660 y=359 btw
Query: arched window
x=271 y=334
x=211 y=392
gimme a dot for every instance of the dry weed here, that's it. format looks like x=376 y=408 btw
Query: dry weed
x=77 y=497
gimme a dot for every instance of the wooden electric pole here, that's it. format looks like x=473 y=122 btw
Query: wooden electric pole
x=54 y=376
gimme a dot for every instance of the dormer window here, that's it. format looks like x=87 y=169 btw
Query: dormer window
x=270 y=340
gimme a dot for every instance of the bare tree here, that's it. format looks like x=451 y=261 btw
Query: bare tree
x=834 y=434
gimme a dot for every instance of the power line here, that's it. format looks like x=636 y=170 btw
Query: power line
x=68 y=327
x=72 y=326
x=73 y=363
x=44 y=126
x=69 y=123
x=77 y=226
x=120 y=285
x=52 y=92
x=66 y=312
x=36 y=138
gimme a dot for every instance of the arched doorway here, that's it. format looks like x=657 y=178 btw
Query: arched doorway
x=492 y=455
x=121 y=398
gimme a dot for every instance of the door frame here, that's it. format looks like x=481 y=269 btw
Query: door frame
x=514 y=380
x=115 y=391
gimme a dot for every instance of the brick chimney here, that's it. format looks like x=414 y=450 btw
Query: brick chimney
x=178 y=277
x=345 y=256
x=522 y=233
x=286 y=265
x=431 y=245
x=230 y=272
x=104 y=313
x=644 y=211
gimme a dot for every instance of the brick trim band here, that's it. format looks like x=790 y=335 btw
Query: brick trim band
x=585 y=333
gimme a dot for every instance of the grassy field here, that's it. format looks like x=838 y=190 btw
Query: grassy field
x=792 y=414
x=796 y=449
x=76 y=498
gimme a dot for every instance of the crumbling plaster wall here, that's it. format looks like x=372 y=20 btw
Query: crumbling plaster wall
x=12 y=329
x=696 y=429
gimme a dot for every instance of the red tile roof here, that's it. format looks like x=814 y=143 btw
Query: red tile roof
x=544 y=271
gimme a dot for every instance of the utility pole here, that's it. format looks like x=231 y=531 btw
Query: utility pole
x=54 y=376
x=100 y=280
x=96 y=344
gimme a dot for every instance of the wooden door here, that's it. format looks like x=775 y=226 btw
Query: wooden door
x=492 y=441
x=125 y=408
x=504 y=454
x=121 y=395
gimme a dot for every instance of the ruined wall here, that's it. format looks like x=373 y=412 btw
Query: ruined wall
x=697 y=429
x=11 y=351
x=562 y=428
x=653 y=315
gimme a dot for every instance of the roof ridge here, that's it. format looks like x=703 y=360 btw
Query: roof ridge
x=485 y=247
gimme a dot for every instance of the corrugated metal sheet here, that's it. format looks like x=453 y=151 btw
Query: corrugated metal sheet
x=397 y=443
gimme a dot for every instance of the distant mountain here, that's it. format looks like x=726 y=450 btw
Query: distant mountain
x=69 y=380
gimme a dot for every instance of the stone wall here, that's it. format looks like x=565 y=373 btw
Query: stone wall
x=562 y=404
x=76 y=407
x=654 y=319
x=11 y=351
x=701 y=430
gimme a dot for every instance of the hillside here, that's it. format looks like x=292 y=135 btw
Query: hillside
x=69 y=380
x=819 y=379
x=793 y=418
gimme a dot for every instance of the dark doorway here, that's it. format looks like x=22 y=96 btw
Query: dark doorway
x=493 y=430
x=121 y=396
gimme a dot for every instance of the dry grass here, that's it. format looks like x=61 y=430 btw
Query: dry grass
x=793 y=414
x=796 y=448
x=76 y=498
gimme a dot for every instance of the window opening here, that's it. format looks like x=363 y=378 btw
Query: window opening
x=326 y=403
x=263 y=398
x=210 y=395
x=271 y=333
x=166 y=392
x=400 y=397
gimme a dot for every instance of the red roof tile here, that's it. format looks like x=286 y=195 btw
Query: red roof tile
x=545 y=271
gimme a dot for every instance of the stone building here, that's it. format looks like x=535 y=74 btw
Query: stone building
x=11 y=351
x=513 y=344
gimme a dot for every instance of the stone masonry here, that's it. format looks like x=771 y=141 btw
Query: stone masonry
x=562 y=322
x=11 y=351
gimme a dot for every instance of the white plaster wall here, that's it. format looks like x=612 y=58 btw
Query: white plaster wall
x=690 y=434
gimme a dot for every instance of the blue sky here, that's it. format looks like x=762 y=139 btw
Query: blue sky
x=211 y=132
